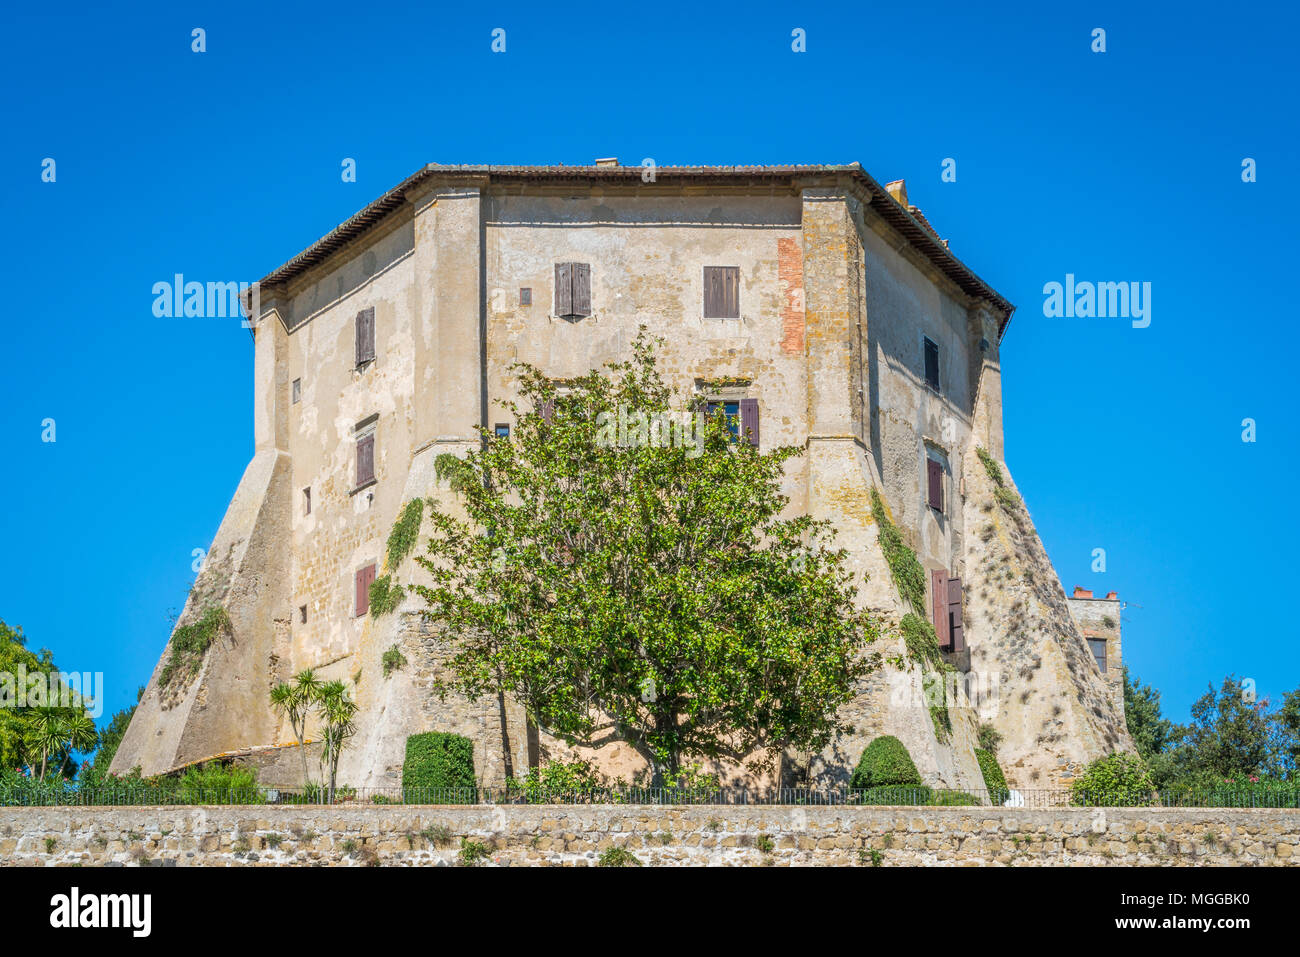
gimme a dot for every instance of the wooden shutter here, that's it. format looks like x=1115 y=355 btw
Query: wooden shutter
x=365 y=578
x=939 y=606
x=932 y=364
x=721 y=292
x=956 y=632
x=564 y=289
x=366 y=459
x=934 y=482
x=581 y=289
x=365 y=335
x=749 y=420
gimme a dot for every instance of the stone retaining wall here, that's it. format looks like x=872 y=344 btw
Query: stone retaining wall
x=578 y=835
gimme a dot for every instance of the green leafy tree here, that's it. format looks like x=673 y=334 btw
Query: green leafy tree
x=1287 y=719
x=1117 y=780
x=1151 y=732
x=1228 y=735
x=650 y=591
x=57 y=732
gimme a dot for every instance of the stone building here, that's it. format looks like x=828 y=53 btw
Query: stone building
x=818 y=301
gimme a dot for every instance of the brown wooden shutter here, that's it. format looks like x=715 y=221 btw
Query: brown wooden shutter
x=934 y=481
x=581 y=289
x=365 y=578
x=365 y=459
x=749 y=420
x=721 y=292
x=564 y=289
x=365 y=335
x=939 y=606
x=955 y=630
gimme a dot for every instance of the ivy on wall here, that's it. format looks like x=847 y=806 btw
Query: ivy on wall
x=1008 y=499
x=406 y=532
x=904 y=568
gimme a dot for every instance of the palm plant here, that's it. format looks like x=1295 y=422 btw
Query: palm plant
x=295 y=701
x=59 y=730
x=337 y=711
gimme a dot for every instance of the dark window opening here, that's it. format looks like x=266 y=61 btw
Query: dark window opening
x=932 y=364
x=297 y=391
x=306 y=501
x=525 y=296
x=302 y=614
x=1098 y=646
x=501 y=431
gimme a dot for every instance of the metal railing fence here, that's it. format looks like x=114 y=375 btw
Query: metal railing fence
x=44 y=795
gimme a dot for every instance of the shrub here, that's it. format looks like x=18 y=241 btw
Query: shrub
x=442 y=761
x=989 y=738
x=190 y=643
x=617 y=857
x=559 y=782
x=393 y=660
x=1117 y=780
x=885 y=763
x=216 y=783
x=994 y=780
x=954 y=799
x=472 y=853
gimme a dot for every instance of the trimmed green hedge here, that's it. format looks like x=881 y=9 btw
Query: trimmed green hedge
x=439 y=759
x=994 y=780
x=885 y=763
x=1117 y=780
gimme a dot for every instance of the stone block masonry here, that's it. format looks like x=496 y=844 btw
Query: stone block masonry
x=569 y=836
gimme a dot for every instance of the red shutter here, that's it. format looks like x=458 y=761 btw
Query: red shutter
x=581 y=289
x=934 y=479
x=939 y=606
x=365 y=335
x=955 y=628
x=563 y=289
x=365 y=459
x=749 y=420
x=365 y=578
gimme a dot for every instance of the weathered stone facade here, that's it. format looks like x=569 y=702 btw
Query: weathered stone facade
x=844 y=291
x=568 y=836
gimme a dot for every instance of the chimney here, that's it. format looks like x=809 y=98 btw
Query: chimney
x=1081 y=592
x=898 y=190
x=605 y=161
x=1112 y=596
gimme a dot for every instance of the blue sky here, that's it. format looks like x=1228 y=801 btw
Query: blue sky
x=1120 y=166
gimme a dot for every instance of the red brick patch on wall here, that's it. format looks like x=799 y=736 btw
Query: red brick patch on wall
x=789 y=259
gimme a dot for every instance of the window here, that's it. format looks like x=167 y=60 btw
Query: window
x=721 y=292
x=302 y=614
x=501 y=430
x=365 y=336
x=742 y=416
x=306 y=501
x=945 y=608
x=525 y=296
x=365 y=578
x=934 y=484
x=297 y=391
x=572 y=290
x=932 y=364
x=1098 y=646
x=365 y=437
